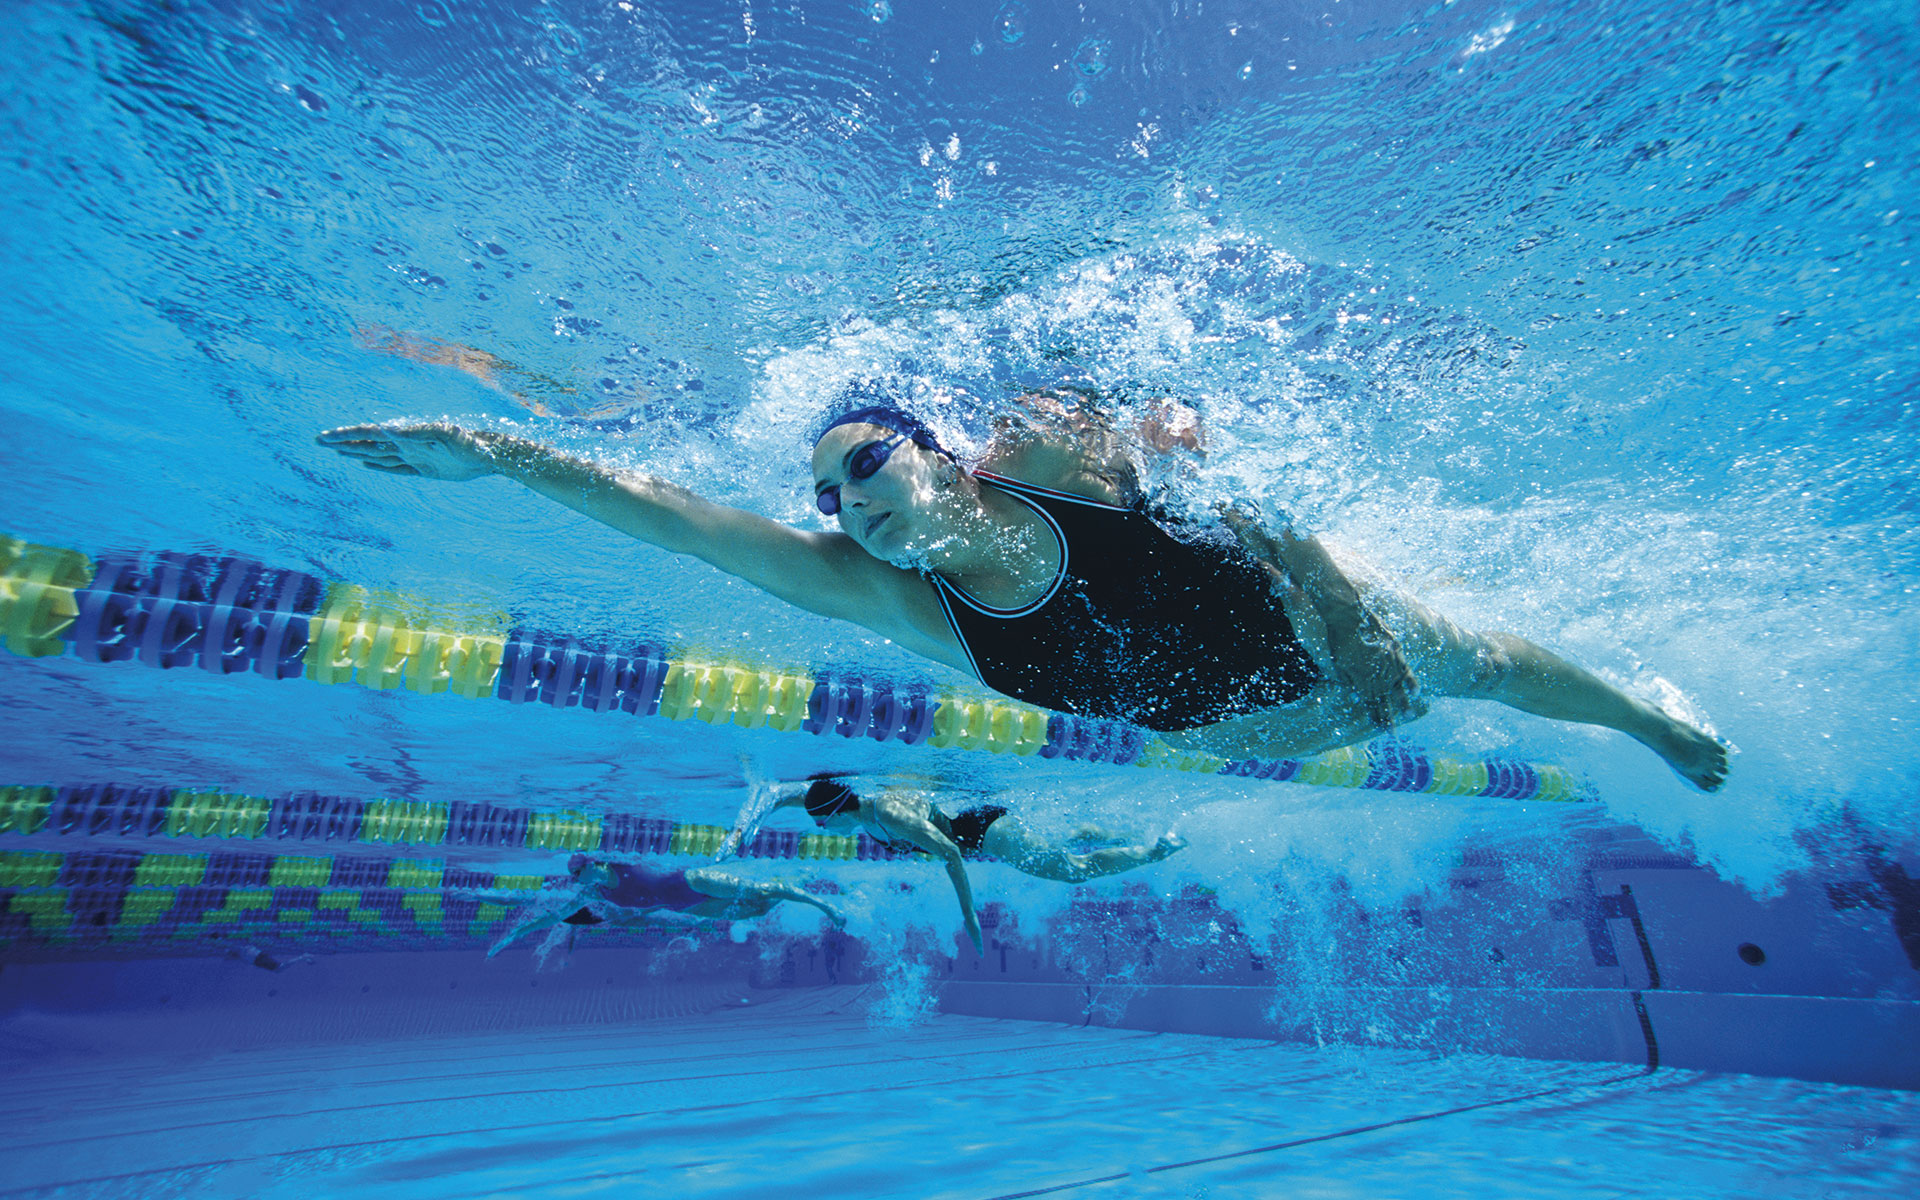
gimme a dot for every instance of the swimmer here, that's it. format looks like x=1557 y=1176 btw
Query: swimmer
x=618 y=893
x=908 y=820
x=1040 y=572
x=254 y=956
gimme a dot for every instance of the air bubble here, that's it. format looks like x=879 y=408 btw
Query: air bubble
x=565 y=38
x=1011 y=21
x=1090 y=60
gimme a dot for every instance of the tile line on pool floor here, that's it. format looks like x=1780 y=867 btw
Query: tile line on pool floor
x=897 y=1047
x=177 y=1096
x=1335 y=1135
x=112 y=1069
x=1090 y=1061
x=609 y=1118
x=591 y=1038
x=1324 y=1137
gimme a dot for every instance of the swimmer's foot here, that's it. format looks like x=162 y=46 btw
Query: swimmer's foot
x=1164 y=848
x=1695 y=756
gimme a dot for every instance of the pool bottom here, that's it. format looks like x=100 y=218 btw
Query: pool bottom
x=799 y=1092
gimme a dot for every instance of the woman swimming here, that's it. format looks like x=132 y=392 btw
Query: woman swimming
x=627 y=893
x=1039 y=572
x=906 y=819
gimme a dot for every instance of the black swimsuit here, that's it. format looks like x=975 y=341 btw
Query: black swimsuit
x=1139 y=626
x=967 y=830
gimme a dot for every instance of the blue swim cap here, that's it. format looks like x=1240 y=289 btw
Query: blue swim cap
x=885 y=414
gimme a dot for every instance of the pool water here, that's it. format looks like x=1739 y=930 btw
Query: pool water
x=1592 y=325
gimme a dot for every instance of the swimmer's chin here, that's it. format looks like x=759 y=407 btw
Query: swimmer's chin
x=915 y=558
x=909 y=560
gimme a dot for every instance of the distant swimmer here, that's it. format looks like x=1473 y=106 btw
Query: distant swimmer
x=254 y=956
x=628 y=893
x=907 y=819
x=1040 y=571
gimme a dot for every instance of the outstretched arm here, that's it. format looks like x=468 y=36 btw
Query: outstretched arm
x=825 y=573
x=529 y=387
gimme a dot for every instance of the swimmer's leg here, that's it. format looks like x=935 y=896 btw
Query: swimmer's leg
x=521 y=930
x=552 y=908
x=1452 y=661
x=1010 y=841
x=744 y=899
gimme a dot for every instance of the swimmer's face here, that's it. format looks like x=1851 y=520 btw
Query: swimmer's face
x=896 y=512
x=593 y=874
x=846 y=821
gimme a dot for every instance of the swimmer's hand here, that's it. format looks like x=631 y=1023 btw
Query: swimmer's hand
x=973 y=931
x=436 y=450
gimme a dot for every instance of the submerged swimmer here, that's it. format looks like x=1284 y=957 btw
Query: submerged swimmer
x=254 y=956
x=908 y=820
x=621 y=893
x=1040 y=572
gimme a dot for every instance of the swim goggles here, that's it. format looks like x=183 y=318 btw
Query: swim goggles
x=865 y=462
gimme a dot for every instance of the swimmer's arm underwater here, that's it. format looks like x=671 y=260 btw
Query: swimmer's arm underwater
x=1064 y=439
x=1364 y=654
x=910 y=824
x=824 y=573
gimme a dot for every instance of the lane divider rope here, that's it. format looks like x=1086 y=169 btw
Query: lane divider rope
x=229 y=615
x=109 y=896
x=108 y=810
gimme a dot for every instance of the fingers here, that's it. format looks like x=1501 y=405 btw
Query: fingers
x=352 y=433
x=374 y=450
x=390 y=434
x=379 y=455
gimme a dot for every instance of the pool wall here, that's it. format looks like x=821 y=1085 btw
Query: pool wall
x=1637 y=956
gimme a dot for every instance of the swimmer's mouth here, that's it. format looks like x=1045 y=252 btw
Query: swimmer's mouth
x=873 y=523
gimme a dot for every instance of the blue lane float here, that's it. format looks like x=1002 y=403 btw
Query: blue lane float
x=230 y=615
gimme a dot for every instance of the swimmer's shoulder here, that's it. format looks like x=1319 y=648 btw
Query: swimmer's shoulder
x=1065 y=464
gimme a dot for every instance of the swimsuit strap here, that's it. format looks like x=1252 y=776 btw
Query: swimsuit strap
x=1029 y=496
